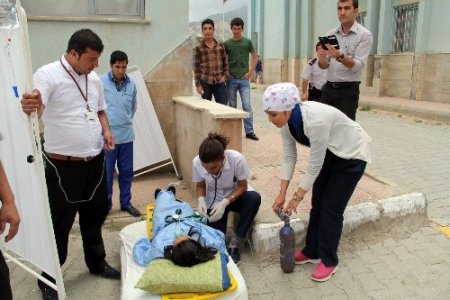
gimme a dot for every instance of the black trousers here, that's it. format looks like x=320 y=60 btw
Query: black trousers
x=247 y=206
x=344 y=98
x=82 y=189
x=331 y=192
x=5 y=286
x=314 y=94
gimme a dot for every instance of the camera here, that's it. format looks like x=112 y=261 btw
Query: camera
x=331 y=39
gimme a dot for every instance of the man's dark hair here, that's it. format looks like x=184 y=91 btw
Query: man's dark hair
x=354 y=2
x=208 y=21
x=318 y=45
x=83 y=39
x=118 y=56
x=237 y=22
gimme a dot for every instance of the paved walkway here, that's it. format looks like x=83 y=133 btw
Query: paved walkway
x=408 y=259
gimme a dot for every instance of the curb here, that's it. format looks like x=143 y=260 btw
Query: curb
x=265 y=236
x=436 y=115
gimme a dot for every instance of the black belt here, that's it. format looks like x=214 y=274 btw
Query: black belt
x=345 y=84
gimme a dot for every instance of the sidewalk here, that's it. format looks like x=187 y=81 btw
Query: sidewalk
x=263 y=276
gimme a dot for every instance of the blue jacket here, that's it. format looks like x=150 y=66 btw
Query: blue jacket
x=165 y=232
x=121 y=106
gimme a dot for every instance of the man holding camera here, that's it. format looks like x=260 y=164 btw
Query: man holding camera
x=346 y=59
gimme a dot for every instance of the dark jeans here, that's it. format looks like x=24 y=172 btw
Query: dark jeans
x=79 y=179
x=344 y=98
x=5 y=286
x=247 y=206
x=219 y=90
x=331 y=192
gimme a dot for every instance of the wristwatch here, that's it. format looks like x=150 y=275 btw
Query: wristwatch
x=297 y=197
x=340 y=58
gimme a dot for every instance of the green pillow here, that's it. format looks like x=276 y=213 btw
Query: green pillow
x=162 y=276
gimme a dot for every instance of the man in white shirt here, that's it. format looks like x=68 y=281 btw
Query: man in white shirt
x=314 y=75
x=346 y=64
x=69 y=97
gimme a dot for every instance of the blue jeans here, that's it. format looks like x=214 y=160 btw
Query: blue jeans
x=123 y=155
x=219 y=90
x=243 y=86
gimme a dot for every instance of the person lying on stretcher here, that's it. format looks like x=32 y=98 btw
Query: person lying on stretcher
x=178 y=234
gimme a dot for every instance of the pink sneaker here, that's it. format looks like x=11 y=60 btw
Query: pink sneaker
x=301 y=259
x=323 y=273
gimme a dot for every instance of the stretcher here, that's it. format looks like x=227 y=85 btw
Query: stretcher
x=131 y=272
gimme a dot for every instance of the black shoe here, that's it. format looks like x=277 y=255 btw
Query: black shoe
x=235 y=255
x=252 y=136
x=49 y=294
x=132 y=211
x=172 y=189
x=106 y=271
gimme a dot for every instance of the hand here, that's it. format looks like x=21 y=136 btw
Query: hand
x=304 y=96
x=31 y=102
x=201 y=208
x=109 y=144
x=278 y=203
x=247 y=75
x=293 y=204
x=199 y=89
x=218 y=210
x=333 y=52
x=9 y=214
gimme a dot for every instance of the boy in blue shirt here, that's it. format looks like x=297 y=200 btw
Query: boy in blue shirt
x=120 y=95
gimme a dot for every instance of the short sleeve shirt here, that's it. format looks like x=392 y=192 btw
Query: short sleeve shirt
x=315 y=74
x=235 y=168
x=238 y=56
x=67 y=129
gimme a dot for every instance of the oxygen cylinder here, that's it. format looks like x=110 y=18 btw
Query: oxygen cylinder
x=287 y=247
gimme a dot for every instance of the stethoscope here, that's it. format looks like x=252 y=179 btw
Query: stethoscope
x=176 y=217
x=215 y=177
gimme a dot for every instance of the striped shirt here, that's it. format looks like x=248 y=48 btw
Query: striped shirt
x=356 y=43
x=210 y=64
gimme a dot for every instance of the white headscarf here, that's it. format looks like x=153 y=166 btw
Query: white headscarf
x=281 y=97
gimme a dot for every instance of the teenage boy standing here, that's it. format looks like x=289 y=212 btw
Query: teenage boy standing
x=238 y=48
x=210 y=66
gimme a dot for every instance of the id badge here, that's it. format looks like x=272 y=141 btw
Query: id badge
x=90 y=114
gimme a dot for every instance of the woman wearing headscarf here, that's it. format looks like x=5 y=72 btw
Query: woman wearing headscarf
x=339 y=151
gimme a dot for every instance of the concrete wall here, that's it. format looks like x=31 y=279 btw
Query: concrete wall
x=171 y=77
x=195 y=117
x=289 y=28
x=147 y=43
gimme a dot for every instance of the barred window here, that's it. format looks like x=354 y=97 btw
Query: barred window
x=85 y=8
x=360 y=18
x=405 y=20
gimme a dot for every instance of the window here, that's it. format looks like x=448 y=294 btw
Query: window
x=405 y=20
x=360 y=18
x=119 y=9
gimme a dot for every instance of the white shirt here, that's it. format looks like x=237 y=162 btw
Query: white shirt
x=67 y=130
x=234 y=167
x=327 y=128
x=356 y=43
x=315 y=74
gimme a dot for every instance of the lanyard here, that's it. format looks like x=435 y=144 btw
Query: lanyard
x=85 y=97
